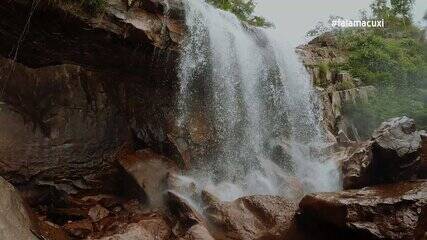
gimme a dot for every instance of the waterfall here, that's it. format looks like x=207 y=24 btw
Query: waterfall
x=260 y=102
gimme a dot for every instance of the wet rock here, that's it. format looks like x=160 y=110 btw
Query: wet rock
x=107 y=41
x=197 y=232
x=208 y=198
x=150 y=171
x=79 y=229
x=97 y=213
x=57 y=128
x=183 y=210
x=394 y=211
x=15 y=222
x=198 y=128
x=422 y=171
x=51 y=231
x=152 y=228
x=392 y=154
x=253 y=217
x=190 y=224
x=181 y=184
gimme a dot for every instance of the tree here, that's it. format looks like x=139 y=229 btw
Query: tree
x=380 y=9
x=243 y=9
x=402 y=8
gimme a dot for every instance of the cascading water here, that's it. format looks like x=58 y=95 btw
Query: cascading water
x=260 y=102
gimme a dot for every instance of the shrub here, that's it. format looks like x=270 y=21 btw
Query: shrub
x=323 y=74
x=243 y=9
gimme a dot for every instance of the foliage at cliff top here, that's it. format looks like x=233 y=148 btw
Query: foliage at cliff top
x=243 y=9
x=394 y=59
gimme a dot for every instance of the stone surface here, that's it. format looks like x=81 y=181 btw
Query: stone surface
x=147 y=229
x=61 y=123
x=57 y=127
x=393 y=154
x=422 y=171
x=150 y=170
x=79 y=229
x=15 y=222
x=190 y=224
x=197 y=232
x=394 y=211
x=97 y=213
x=119 y=38
x=253 y=217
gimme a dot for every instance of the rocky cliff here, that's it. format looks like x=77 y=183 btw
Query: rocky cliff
x=336 y=88
x=87 y=137
x=75 y=86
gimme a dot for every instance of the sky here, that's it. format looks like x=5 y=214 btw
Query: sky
x=293 y=18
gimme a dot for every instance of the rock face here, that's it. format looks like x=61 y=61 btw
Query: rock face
x=82 y=86
x=190 y=225
x=396 y=211
x=335 y=87
x=253 y=217
x=150 y=171
x=119 y=38
x=15 y=222
x=422 y=171
x=393 y=154
x=56 y=123
x=147 y=229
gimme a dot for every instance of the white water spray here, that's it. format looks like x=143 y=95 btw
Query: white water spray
x=260 y=103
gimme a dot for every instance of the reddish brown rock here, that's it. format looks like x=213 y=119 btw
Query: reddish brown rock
x=190 y=223
x=97 y=213
x=422 y=171
x=152 y=228
x=197 y=232
x=392 y=155
x=150 y=171
x=394 y=211
x=15 y=221
x=253 y=217
x=79 y=229
x=51 y=231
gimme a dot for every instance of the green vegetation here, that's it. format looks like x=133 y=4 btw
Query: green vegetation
x=323 y=72
x=345 y=84
x=243 y=9
x=394 y=59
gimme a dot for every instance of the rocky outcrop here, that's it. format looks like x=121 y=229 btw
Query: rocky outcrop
x=151 y=228
x=118 y=38
x=392 y=155
x=422 y=171
x=396 y=211
x=253 y=217
x=15 y=222
x=336 y=88
x=79 y=87
x=190 y=224
x=57 y=123
x=150 y=172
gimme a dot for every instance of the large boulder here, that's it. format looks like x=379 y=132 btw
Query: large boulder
x=150 y=171
x=394 y=211
x=77 y=86
x=392 y=154
x=190 y=224
x=15 y=223
x=253 y=217
x=147 y=229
